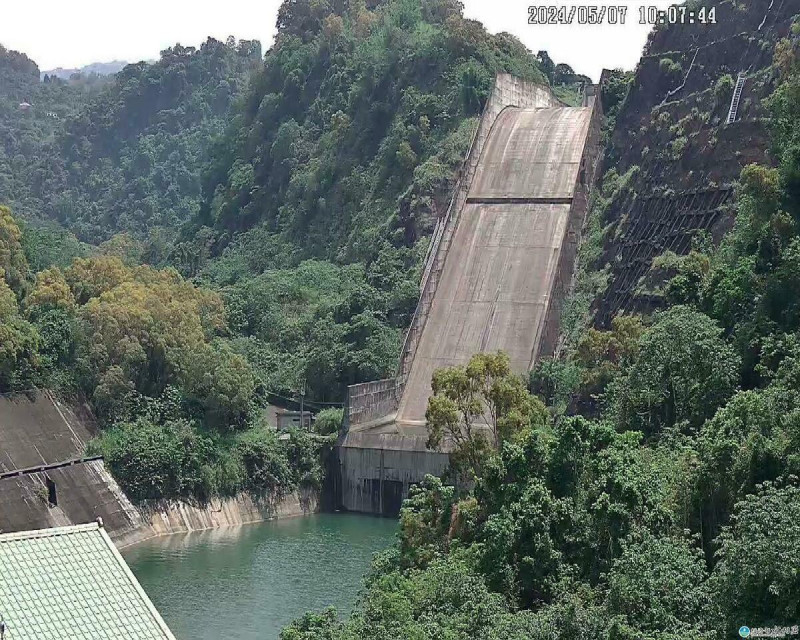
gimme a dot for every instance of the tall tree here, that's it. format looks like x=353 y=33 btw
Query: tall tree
x=477 y=407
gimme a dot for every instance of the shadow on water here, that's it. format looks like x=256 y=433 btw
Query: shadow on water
x=249 y=582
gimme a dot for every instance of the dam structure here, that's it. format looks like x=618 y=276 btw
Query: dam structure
x=500 y=264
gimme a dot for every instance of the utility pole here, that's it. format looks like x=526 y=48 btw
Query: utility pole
x=302 y=399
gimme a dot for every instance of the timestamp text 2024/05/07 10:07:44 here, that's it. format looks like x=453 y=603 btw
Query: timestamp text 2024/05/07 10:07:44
x=619 y=15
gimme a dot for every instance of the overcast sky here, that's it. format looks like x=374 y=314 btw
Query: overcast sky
x=72 y=33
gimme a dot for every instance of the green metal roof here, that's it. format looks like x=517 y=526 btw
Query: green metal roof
x=71 y=582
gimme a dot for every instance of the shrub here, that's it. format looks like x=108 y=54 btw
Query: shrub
x=153 y=461
x=677 y=147
x=329 y=421
x=669 y=66
x=723 y=90
x=554 y=381
x=265 y=463
x=304 y=454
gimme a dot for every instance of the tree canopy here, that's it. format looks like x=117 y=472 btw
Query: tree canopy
x=657 y=498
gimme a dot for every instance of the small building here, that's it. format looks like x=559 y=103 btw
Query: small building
x=284 y=419
x=24 y=106
x=71 y=582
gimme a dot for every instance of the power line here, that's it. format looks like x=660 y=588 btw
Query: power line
x=318 y=404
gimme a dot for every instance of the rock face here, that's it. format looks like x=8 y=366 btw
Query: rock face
x=674 y=144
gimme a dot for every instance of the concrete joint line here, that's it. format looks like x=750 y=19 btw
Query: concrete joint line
x=479 y=200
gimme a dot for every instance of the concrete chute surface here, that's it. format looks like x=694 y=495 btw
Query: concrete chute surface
x=497 y=279
x=500 y=269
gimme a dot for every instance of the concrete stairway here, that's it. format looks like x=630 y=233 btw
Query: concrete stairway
x=737 y=96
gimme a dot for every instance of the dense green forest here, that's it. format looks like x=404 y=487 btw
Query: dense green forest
x=192 y=237
x=135 y=154
x=195 y=235
x=672 y=508
x=129 y=159
x=302 y=191
x=32 y=114
x=182 y=413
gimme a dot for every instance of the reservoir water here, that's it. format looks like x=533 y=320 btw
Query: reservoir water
x=247 y=583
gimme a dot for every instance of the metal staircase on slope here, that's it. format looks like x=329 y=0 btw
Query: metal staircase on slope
x=737 y=95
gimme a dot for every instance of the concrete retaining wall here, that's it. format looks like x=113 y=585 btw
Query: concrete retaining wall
x=84 y=492
x=165 y=517
x=37 y=429
x=371 y=401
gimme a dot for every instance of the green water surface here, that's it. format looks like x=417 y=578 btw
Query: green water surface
x=249 y=582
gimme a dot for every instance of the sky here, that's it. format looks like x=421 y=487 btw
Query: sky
x=73 y=33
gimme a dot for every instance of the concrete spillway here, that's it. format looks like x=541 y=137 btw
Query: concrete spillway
x=501 y=262
x=532 y=153
x=39 y=432
x=496 y=282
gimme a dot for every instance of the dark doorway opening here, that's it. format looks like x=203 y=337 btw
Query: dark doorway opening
x=392 y=497
x=52 y=496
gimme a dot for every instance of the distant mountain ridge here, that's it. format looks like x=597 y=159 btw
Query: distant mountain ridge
x=100 y=68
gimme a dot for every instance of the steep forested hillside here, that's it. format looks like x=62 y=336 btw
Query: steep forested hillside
x=107 y=155
x=301 y=200
x=32 y=113
x=343 y=154
x=351 y=134
x=654 y=497
x=675 y=153
x=181 y=412
x=132 y=157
